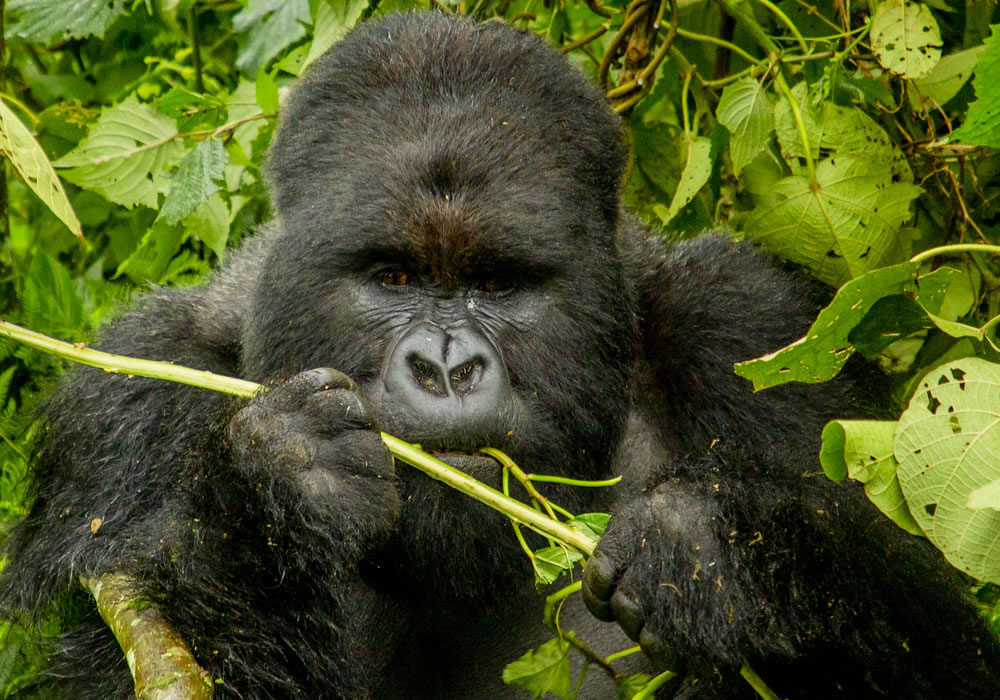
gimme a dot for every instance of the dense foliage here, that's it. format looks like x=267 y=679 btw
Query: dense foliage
x=854 y=139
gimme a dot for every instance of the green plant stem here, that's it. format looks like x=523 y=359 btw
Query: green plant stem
x=14 y=446
x=787 y=22
x=956 y=248
x=750 y=25
x=757 y=683
x=118 y=364
x=401 y=450
x=779 y=80
x=623 y=653
x=573 y=482
x=199 y=80
x=655 y=684
x=709 y=39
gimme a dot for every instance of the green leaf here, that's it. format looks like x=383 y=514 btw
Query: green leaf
x=947 y=444
x=210 y=223
x=947 y=77
x=152 y=256
x=267 y=92
x=124 y=155
x=834 y=130
x=269 y=27
x=31 y=163
x=863 y=450
x=629 y=686
x=590 y=524
x=545 y=670
x=981 y=122
x=195 y=180
x=821 y=354
x=42 y=20
x=906 y=38
x=745 y=110
x=843 y=227
x=551 y=562
x=696 y=171
x=334 y=18
x=985 y=497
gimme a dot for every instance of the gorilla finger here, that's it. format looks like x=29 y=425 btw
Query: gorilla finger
x=257 y=427
x=292 y=395
x=329 y=412
x=628 y=614
x=360 y=453
x=657 y=649
x=599 y=578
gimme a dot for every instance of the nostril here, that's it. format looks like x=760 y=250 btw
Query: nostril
x=426 y=375
x=465 y=377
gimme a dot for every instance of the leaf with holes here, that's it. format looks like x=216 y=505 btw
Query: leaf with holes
x=948 y=447
x=906 y=38
x=984 y=114
x=31 y=163
x=843 y=227
x=835 y=130
x=124 y=156
x=745 y=110
x=862 y=450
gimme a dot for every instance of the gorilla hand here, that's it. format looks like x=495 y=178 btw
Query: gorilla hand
x=318 y=434
x=661 y=573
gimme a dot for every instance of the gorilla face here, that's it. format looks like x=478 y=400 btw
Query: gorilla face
x=442 y=243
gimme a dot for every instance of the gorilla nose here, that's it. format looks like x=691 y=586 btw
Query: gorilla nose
x=447 y=377
x=439 y=379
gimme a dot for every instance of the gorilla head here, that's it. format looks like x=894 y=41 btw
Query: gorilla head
x=459 y=253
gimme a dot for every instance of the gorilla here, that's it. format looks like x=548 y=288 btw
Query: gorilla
x=450 y=237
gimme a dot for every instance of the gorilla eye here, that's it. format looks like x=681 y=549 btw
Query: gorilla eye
x=395 y=278
x=495 y=285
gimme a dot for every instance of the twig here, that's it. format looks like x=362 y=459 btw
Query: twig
x=401 y=450
x=161 y=665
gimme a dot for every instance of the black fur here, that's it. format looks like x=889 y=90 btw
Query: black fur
x=459 y=181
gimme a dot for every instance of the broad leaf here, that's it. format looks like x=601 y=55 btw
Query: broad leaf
x=821 y=354
x=334 y=18
x=695 y=175
x=551 y=562
x=863 y=451
x=843 y=227
x=42 y=20
x=834 y=130
x=984 y=114
x=906 y=38
x=270 y=26
x=947 y=444
x=947 y=78
x=195 y=180
x=31 y=163
x=124 y=155
x=745 y=110
x=545 y=670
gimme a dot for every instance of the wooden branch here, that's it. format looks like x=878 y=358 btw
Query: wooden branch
x=162 y=666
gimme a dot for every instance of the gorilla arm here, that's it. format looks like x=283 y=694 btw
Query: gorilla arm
x=693 y=565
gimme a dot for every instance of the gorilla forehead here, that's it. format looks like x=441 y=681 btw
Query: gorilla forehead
x=479 y=104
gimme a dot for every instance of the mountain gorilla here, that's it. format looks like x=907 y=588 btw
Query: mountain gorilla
x=450 y=237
